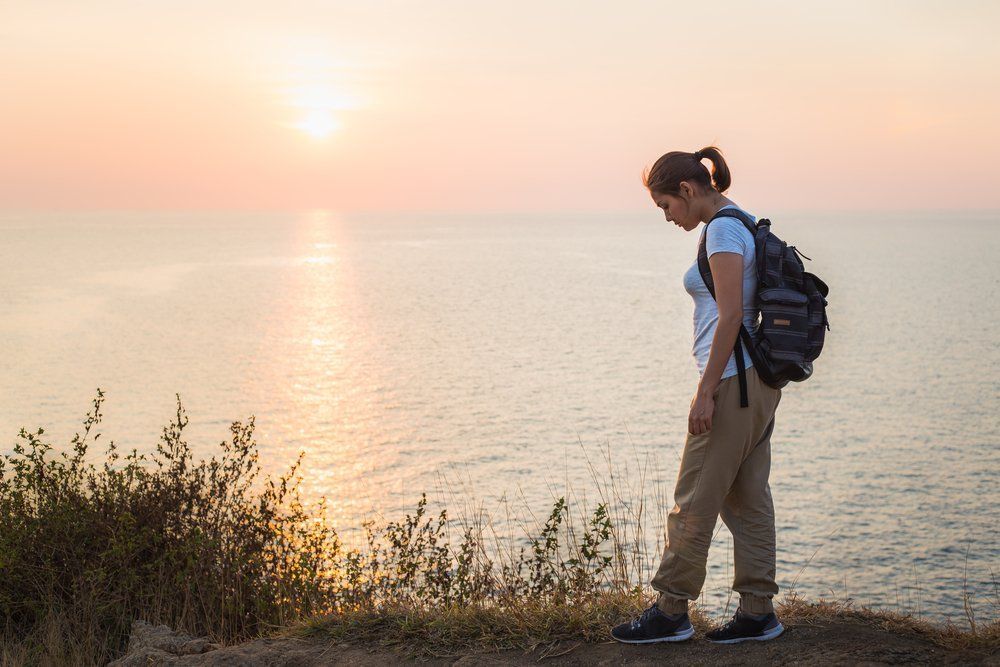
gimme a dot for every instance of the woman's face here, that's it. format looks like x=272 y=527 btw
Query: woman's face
x=676 y=210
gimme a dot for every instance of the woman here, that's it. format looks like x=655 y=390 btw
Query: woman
x=727 y=455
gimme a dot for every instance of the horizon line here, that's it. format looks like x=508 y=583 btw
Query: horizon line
x=462 y=212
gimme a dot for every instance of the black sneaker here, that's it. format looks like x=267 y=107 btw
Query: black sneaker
x=743 y=628
x=654 y=626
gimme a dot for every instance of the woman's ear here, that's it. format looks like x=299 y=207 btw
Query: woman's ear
x=686 y=190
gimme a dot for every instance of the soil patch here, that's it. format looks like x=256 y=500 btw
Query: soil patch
x=837 y=641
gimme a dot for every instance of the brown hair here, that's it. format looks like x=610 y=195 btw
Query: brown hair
x=666 y=174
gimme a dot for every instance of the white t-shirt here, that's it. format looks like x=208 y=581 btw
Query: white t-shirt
x=724 y=235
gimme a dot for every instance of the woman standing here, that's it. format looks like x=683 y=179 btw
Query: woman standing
x=727 y=455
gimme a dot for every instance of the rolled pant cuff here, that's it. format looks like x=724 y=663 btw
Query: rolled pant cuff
x=672 y=605
x=754 y=604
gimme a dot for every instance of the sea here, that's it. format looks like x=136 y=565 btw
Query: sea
x=499 y=361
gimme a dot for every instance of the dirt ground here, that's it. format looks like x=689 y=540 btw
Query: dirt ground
x=839 y=642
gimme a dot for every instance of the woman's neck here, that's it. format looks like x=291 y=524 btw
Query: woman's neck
x=711 y=205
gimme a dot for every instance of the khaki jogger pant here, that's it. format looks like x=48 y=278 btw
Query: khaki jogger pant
x=724 y=471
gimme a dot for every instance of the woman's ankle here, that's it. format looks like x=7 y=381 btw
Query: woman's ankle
x=672 y=606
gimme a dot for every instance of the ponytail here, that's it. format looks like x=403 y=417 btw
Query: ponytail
x=721 y=178
x=666 y=174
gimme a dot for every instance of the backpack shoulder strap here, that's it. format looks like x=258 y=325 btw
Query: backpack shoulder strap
x=703 y=267
x=742 y=216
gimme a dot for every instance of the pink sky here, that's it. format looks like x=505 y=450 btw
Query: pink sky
x=500 y=106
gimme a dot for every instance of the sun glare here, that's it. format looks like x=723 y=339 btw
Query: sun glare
x=318 y=123
x=318 y=102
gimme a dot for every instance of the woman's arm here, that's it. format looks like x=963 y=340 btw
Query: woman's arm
x=727 y=274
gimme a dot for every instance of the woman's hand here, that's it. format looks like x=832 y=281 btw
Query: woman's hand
x=700 y=417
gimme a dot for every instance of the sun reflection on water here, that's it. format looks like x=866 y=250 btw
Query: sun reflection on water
x=324 y=335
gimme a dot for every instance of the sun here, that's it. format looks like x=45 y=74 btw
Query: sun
x=318 y=123
x=318 y=106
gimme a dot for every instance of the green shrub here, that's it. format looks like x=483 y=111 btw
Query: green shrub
x=202 y=546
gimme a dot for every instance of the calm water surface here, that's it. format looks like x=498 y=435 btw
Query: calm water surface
x=479 y=357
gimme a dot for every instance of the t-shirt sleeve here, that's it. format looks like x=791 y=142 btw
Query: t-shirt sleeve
x=726 y=235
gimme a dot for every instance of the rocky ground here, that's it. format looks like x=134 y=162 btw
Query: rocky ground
x=837 y=642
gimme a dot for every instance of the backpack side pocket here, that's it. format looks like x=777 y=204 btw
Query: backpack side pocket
x=816 y=291
x=784 y=324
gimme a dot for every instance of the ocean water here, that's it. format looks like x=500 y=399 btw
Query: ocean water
x=480 y=357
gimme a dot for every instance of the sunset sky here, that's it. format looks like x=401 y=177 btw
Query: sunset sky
x=442 y=106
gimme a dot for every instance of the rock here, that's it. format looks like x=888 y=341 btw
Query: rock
x=150 y=644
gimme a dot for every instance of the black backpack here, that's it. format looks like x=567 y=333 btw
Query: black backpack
x=792 y=304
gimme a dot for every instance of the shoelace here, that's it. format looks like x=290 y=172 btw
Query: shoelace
x=733 y=621
x=644 y=617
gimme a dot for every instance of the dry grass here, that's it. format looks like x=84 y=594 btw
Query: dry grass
x=56 y=640
x=454 y=630
x=983 y=636
x=530 y=624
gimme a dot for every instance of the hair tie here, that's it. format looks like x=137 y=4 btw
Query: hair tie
x=698 y=156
